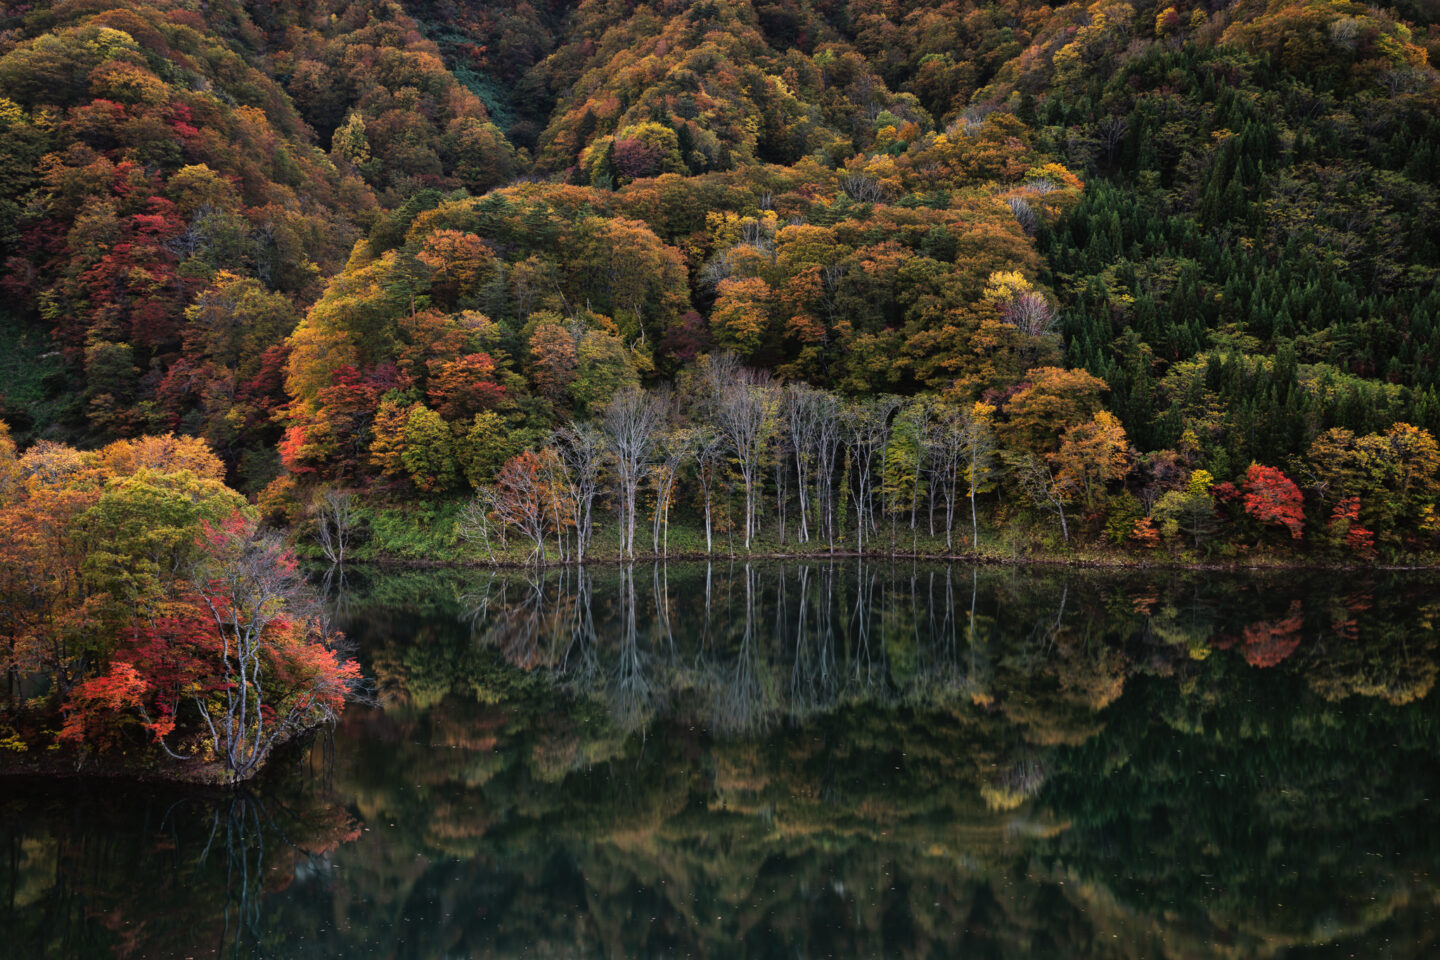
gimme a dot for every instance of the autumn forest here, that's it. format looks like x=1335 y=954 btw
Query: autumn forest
x=291 y=284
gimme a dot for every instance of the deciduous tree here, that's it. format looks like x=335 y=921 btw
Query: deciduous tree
x=1272 y=498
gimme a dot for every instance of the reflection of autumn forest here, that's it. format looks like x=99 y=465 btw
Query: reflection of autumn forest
x=492 y=281
x=771 y=758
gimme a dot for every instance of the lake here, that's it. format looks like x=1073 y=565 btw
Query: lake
x=847 y=759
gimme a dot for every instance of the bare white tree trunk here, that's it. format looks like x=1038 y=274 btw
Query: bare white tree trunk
x=828 y=432
x=630 y=422
x=866 y=432
x=746 y=403
x=977 y=441
x=676 y=447
x=1043 y=488
x=335 y=521
x=580 y=450
x=709 y=453
x=802 y=410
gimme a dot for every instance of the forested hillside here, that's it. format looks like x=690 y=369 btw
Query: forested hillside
x=432 y=276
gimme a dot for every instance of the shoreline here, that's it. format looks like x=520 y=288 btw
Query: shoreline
x=53 y=767
x=976 y=559
x=61 y=769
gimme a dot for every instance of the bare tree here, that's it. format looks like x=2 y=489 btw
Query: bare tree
x=519 y=499
x=1111 y=131
x=917 y=411
x=1044 y=488
x=580 y=451
x=746 y=403
x=675 y=447
x=709 y=455
x=963 y=445
x=829 y=430
x=1031 y=314
x=977 y=442
x=1024 y=214
x=801 y=411
x=945 y=437
x=866 y=431
x=630 y=422
x=781 y=459
x=335 y=522
x=473 y=524
x=862 y=189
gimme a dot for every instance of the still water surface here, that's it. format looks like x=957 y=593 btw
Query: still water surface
x=801 y=760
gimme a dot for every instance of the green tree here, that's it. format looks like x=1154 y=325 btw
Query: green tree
x=484 y=448
x=429 y=453
x=1190 y=511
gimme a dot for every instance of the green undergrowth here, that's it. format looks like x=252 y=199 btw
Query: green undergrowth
x=429 y=533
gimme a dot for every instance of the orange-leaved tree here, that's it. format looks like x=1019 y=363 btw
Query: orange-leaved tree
x=237 y=663
x=1273 y=498
x=137 y=598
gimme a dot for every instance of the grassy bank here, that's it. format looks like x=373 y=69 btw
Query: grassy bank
x=428 y=534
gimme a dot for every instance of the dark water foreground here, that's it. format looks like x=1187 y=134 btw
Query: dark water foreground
x=801 y=760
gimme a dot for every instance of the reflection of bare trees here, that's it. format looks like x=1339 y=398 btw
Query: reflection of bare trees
x=1016 y=783
x=861 y=678
x=244 y=851
x=813 y=674
x=476 y=602
x=240 y=827
x=335 y=597
x=631 y=691
x=517 y=628
x=739 y=703
x=1046 y=631
x=739 y=648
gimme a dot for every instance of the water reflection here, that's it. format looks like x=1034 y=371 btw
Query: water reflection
x=758 y=643
x=848 y=759
x=764 y=643
x=106 y=871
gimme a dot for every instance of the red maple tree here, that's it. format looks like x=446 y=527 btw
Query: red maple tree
x=1272 y=498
